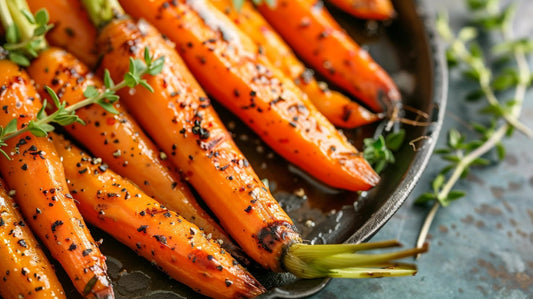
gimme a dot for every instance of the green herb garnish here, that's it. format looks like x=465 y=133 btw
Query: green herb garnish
x=501 y=115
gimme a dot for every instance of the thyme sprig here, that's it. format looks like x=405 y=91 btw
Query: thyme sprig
x=379 y=151
x=65 y=115
x=460 y=152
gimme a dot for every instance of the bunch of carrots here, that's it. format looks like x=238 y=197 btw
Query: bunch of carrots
x=143 y=153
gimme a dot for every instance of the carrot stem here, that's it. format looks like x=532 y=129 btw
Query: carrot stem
x=344 y=261
x=102 y=12
x=15 y=13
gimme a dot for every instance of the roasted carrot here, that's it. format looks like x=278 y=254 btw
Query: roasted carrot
x=366 y=9
x=316 y=37
x=180 y=119
x=214 y=49
x=336 y=107
x=25 y=270
x=177 y=246
x=119 y=140
x=72 y=28
x=178 y=116
x=35 y=172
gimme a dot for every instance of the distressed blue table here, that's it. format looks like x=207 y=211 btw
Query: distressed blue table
x=482 y=245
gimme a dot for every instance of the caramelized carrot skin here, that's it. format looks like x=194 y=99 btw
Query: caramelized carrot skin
x=72 y=28
x=25 y=270
x=214 y=49
x=315 y=36
x=177 y=246
x=179 y=118
x=119 y=140
x=35 y=172
x=367 y=9
x=336 y=107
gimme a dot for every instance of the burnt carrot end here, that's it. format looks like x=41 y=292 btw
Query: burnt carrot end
x=25 y=272
x=336 y=107
x=72 y=28
x=315 y=36
x=120 y=141
x=256 y=92
x=175 y=245
x=35 y=172
x=367 y=9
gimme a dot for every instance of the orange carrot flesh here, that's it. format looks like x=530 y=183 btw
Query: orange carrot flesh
x=24 y=269
x=316 y=37
x=177 y=246
x=336 y=107
x=72 y=28
x=367 y=9
x=180 y=119
x=119 y=140
x=35 y=172
x=214 y=49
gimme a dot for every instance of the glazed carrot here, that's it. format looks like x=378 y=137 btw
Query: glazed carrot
x=119 y=140
x=366 y=9
x=178 y=116
x=180 y=119
x=35 y=172
x=25 y=270
x=214 y=49
x=336 y=107
x=72 y=28
x=160 y=235
x=316 y=37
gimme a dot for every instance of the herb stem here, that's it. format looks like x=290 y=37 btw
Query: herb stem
x=495 y=138
x=484 y=81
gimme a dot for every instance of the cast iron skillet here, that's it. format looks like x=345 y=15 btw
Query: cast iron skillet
x=407 y=49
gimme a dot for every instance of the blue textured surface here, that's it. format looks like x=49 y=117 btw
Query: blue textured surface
x=482 y=245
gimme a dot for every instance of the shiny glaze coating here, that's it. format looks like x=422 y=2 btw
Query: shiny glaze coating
x=24 y=269
x=316 y=37
x=119 y=140
x=180 y=119
x=260 y=95
x=174 y=245
x=336 y=107
x=35 y=172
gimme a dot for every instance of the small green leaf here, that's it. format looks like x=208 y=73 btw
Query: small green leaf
x=130 y=80
x=107 y=106
x=395 y=140
x=42 y=17
x=147 y=57
x=90 y=92
x=480 y=162
x=19 y=59
x=500 y=149
x=475 y=95
x=11 y=127
x=42 y=112
x=454 y=138
x=39 y=130
x=467 y=34
x=53 y=95
x=437 y=183
x=108 y=81
x=426 y=197
x=145 y=84
x=157 y=66
x=455 y=194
